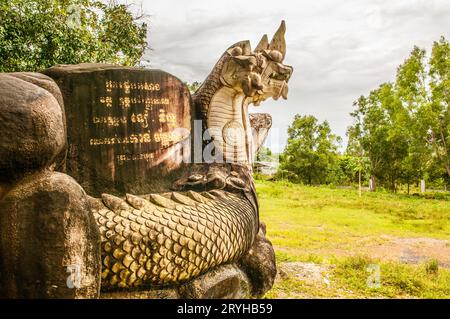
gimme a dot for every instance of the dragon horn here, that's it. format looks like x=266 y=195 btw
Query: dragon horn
x=263 y=44
x=278 y=43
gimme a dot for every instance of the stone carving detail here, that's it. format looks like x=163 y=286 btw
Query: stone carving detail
x=151 y=227
x=171 y=238
x=259 y=264
x=122 y=121
x=241 y=77
x=261 y=124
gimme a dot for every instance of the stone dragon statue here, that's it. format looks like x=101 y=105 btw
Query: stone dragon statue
x=161 y=239
x=210 y=218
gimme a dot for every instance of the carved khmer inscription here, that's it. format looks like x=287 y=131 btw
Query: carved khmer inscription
x=122 y=125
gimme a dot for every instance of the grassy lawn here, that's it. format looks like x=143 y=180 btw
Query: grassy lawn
x=398 y=243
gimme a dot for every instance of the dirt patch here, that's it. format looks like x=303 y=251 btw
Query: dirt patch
x=405 y=250
x=412 y=250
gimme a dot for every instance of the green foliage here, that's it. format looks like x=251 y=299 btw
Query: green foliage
x=404 y=127
x=351 y=166
x=348 y=277
x=379 y=133
x=194 y=86
x=311 y=155
x=437 y=109
x=265 y=155
x=432 y=266
x=303 y=218
x=37 y=34
x=396 y=279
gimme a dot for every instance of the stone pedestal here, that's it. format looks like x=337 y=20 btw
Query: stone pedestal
x=225 y=282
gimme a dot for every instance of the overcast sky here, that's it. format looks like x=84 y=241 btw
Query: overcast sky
x=339 y=49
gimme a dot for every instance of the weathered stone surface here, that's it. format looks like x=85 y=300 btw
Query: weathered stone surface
x=167 y=293
x=125 y=127
x=261 y=124
x=224 y=282
x=259 y=264
x=42 y=81
x=49 y=241
x=31 y=125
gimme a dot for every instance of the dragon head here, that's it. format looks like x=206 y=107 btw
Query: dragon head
x=240 y=78
x=258 y=74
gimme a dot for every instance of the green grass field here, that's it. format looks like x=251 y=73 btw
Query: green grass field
x=333 y=243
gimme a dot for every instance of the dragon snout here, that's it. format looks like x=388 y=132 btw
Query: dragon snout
x=284 y=91
x=285 y=71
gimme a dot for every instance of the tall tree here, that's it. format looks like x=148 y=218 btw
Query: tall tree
x=354 y=162
x=381 y=137
x=37 y=34
x=311 y=152
x=411 y=89
x=437 y=110
x=404 y=127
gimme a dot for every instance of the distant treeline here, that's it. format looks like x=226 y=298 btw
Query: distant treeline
x=400 y=134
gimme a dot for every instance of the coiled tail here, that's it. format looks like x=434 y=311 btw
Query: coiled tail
x=157 y=240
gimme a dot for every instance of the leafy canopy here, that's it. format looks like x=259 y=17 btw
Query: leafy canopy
x=37 y=34
x=311 y=153
x=404 y=127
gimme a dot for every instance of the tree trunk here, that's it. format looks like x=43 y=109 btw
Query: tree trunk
x=393 y=186
x=422 y=186
x=372 y=184
x=436 y=149
x=359 y=180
